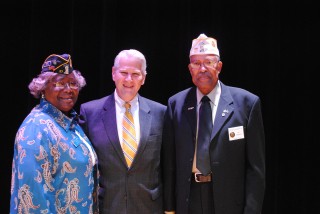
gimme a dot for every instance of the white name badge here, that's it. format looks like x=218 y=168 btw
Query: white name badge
x=236 y=133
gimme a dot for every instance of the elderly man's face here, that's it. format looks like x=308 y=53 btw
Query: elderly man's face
x=128 y=78
x=204 y=70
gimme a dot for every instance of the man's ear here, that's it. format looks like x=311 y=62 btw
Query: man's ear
x=190 y=69
x=219 y=66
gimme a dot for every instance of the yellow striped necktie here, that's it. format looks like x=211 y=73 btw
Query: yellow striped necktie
x=129 y=144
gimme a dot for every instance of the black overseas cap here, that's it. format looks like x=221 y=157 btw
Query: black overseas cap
x=60 y=64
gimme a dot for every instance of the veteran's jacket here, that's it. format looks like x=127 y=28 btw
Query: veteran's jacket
x=237 y=163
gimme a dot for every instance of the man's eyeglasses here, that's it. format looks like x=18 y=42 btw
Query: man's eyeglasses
x=62 y=85
x=207 y=63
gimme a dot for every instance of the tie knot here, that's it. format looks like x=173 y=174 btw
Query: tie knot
x=127 y=106
x=205 y=99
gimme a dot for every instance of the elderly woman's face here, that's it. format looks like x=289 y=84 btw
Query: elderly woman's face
x=62 y=92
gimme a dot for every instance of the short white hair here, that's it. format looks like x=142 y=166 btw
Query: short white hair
x=132 y=53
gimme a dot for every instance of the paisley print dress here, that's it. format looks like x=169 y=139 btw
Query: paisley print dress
x=54 y=168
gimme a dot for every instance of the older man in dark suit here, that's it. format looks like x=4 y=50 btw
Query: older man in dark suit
x=214 y=166
x=126 y=132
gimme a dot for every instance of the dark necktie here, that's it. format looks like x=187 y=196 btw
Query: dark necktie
x=204 y=132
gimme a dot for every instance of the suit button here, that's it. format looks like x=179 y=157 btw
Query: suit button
x=187 y=200
x=189 y=179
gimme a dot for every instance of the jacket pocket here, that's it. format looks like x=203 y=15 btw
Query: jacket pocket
x=155 y=193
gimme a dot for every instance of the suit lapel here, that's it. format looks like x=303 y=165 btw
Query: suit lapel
x=224 y=110
x=190 y=109
x=145 y=126
x=110 y=124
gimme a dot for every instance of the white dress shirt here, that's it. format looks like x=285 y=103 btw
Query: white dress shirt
x=214 y=97
x=120 y=110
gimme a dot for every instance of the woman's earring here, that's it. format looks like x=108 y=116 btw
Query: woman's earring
x=42 y=96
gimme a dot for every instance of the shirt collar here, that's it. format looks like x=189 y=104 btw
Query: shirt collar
x=213 y=95
x=64 y=121
x=120 y=102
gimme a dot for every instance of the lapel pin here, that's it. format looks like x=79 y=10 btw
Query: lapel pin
x=224 y=112
x=190 y=108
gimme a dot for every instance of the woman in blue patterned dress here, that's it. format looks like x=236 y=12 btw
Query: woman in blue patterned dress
x=54 y=167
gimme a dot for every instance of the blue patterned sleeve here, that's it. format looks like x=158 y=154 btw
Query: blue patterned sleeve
x=31 y=171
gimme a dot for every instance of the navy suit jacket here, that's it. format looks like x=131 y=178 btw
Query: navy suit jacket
x=238 y=166
x=123 y=190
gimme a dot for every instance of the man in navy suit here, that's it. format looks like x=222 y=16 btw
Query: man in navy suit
x=235 y=150
x=135 y=187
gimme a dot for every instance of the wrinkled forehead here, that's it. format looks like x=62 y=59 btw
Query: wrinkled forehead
x=60 y=77
x=203 y=57
x=130 y=63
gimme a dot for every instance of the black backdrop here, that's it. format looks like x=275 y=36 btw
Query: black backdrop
x=268 y=47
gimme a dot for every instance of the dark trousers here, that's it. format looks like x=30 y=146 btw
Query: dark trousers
x=201 y=198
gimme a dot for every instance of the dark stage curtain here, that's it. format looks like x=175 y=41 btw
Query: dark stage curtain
x=270 y=48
